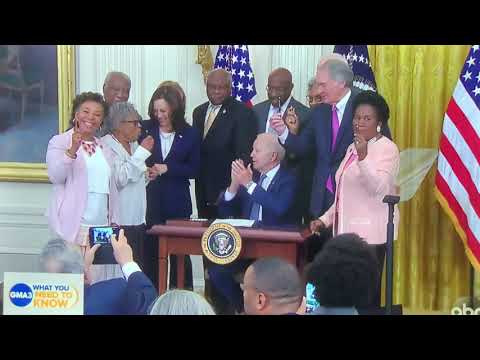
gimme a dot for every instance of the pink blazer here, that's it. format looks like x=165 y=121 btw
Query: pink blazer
x=69 y=179
x=361 y=187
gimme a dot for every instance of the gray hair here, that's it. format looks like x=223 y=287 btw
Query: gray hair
x=70 y=259
x=311 y=84
x=119 y=74
x=338 y=70
x=117 y=113
x=227 y=74
x=271 y=142
x=181 y=302
x=278 y=279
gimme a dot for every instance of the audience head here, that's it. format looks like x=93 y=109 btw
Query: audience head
x=167 y=107
x=272 y=286
x=181 y=302
x=177 y=86
x=123 y=121
x=313 y=97
x=267 y=152
x=116 y=87
x=279 y=86
x=345 y=273
x=334 y=78
x=370 y=114
x=219 y=86
x=89 y=109
x=60 y=257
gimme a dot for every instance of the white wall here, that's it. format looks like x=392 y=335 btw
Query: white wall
x=23 y=227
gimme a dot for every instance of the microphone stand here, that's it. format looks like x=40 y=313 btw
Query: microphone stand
x=391 y=200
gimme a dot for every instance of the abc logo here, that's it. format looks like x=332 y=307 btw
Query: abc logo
x=21 y=295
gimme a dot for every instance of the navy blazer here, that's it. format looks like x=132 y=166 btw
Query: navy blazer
x=230 y=137
x=317 y=136
x=168 y=196
x=119 y=297
x=278 y=201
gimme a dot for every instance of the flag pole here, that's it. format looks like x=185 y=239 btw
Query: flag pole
x=472 y=286
x=391 y=200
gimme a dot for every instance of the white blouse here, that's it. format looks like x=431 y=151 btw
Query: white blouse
x=167 y=140
x=129 y=173
x=98 y=175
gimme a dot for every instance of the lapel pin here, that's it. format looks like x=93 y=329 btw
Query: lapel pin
x=224 y=111
x=180 y=136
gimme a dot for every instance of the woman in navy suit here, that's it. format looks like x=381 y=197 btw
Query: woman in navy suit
x=174 y=161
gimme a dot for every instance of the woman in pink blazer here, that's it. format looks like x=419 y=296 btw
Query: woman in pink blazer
x=80 y=169
x=366 y=174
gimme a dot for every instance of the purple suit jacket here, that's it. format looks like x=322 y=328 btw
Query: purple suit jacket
x=69 y=179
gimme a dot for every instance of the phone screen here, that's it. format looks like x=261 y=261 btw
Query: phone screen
x=103 y=235
x=311 y=302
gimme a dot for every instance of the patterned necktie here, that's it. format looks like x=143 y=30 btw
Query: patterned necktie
x=335 y=127
x=211 y=117
x=255 y=212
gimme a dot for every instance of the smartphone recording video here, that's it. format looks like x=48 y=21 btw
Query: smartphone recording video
x=311 y=303
x=102 y=234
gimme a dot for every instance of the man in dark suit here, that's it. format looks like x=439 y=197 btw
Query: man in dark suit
x=282 y=105
x=329 y=131
x=131 y=295
x=228 y=128
x=269 y=201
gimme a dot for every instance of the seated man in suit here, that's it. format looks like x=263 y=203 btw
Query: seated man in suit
x=269 y=201
x=130 y=296
x=272 y=286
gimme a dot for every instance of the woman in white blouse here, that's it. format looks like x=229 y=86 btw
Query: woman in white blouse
x=129 y=171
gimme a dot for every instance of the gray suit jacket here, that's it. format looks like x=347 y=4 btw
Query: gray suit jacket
x=261 y=112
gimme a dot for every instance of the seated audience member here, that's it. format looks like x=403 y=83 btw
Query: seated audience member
x=181 y=302
x=269 y=201
x=129 y=171
x=130 y=296
x=345 y=275
x=272 y=286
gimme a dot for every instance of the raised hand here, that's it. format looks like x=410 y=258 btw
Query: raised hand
x=242 y=173
x=76 y=139
x=360 y=145
x=291 y=121
x=277 y=123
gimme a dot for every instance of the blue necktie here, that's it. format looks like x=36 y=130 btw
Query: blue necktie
x=255 y=212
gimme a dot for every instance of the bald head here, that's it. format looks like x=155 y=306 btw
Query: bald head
x=267 y=152
x=219 y=86
x=116 y=87
x=280 y=86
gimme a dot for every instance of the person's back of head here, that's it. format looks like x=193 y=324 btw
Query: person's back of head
x=60 y=257
x=181 y=302
x=272 y=286
x=345 y=273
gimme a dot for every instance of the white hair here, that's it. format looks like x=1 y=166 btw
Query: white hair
x=181 y=302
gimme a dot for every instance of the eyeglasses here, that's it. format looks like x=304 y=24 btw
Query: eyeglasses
x=313 y=100
x=137 y=123
x=276 y=89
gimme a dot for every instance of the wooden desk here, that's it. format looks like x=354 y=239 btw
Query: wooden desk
x=183 y=237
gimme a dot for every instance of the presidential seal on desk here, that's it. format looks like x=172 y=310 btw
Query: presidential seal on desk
x=221 y=243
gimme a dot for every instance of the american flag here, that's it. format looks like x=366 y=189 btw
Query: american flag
x=359 y=61
x=457 y=182
x=236 y=59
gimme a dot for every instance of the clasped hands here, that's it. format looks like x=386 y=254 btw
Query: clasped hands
x=156 y=170
x=240 y=175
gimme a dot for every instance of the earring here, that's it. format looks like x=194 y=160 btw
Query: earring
x=378 y=128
